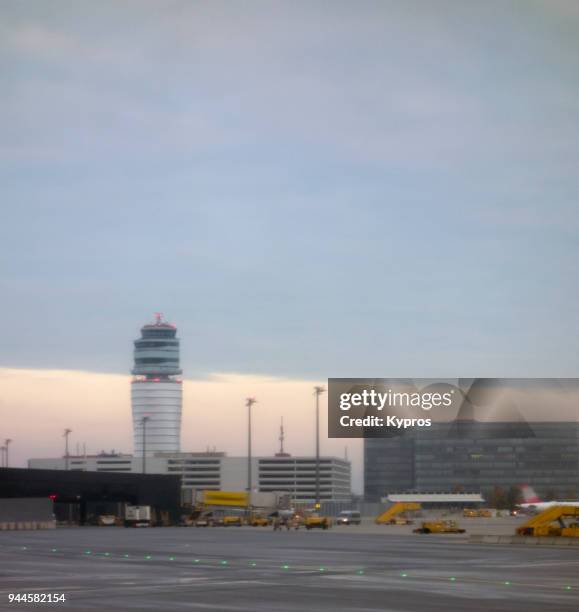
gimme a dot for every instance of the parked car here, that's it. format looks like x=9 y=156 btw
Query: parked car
x=349 y=517
x=204 y=520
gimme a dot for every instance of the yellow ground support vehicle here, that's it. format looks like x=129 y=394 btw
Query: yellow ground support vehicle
x=232 y=521
x=439 y=527
x=554 y=521
x=392 y=515
x=571 y=531
x=477 y=513
x=258 y=521
x=314 y=521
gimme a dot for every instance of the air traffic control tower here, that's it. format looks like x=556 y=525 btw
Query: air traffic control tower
x=156 y=390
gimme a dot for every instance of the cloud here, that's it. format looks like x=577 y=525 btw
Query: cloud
x=383 y=84
x=254 y=168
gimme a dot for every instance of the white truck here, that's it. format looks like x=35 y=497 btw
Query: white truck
x=137 y=516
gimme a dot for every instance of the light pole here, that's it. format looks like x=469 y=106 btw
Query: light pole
x=317 y=392
x=67 y=432
x=249 y=403
x=144 y=421
x=7 y=443
x=3 y=451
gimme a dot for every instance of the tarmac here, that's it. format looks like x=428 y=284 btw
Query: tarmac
x=255 y=569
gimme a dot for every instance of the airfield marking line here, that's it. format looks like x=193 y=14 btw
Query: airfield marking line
x=547 y=562
x=411 y=577
x=146 y=585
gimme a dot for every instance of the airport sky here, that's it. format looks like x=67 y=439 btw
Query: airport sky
x=307 y=189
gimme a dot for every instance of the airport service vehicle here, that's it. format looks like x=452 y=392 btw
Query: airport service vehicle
x=286 y=518
x=218 y=518
x=213 y=519
x=439 y=527
x=106 y=520
x=533 y=502
x=205 y=519
x=315 y=521
x=393 y=515
x=258 y=521
x=137 y=516
x=262 y=502
x=228 y=508
x=349 y=517
x=477 y=513
x=554 y=521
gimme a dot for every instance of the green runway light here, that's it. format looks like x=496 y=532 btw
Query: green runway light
x=107 y=554
x=452 y=579
x=404 y=575
x=147 y=556
x=224 y=563
x=171 y=558
x=322 y=569
x=360 y=572
x=87 y=552
x=54 y=550
x=285 y=566
x=126 y=555
x=506 y=583
x=567 y=588
x=253 y=564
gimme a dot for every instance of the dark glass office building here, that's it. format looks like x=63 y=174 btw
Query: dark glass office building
x=470 y=455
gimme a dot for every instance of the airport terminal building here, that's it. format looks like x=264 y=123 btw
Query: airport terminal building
x=156 y=399
x=215 y=471
x=470 y=455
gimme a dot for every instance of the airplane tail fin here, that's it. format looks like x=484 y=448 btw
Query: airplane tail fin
x=529 y=495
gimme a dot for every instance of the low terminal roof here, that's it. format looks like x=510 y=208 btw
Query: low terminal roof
x=433 y=497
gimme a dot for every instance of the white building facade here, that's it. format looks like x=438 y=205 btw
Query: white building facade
x=214 y=471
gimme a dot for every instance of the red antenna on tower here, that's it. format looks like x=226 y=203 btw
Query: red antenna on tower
x=158 y=317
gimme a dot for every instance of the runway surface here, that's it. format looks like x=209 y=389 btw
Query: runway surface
x=254 y=569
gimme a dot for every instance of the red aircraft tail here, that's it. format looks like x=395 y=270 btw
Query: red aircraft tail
x=529 y=495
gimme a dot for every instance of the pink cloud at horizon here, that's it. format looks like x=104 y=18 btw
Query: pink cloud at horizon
x=37 y=405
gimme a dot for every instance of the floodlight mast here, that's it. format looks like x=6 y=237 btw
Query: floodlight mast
x=67 y=433
x=249 y=403
x=6 y=451
x=318 y=390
